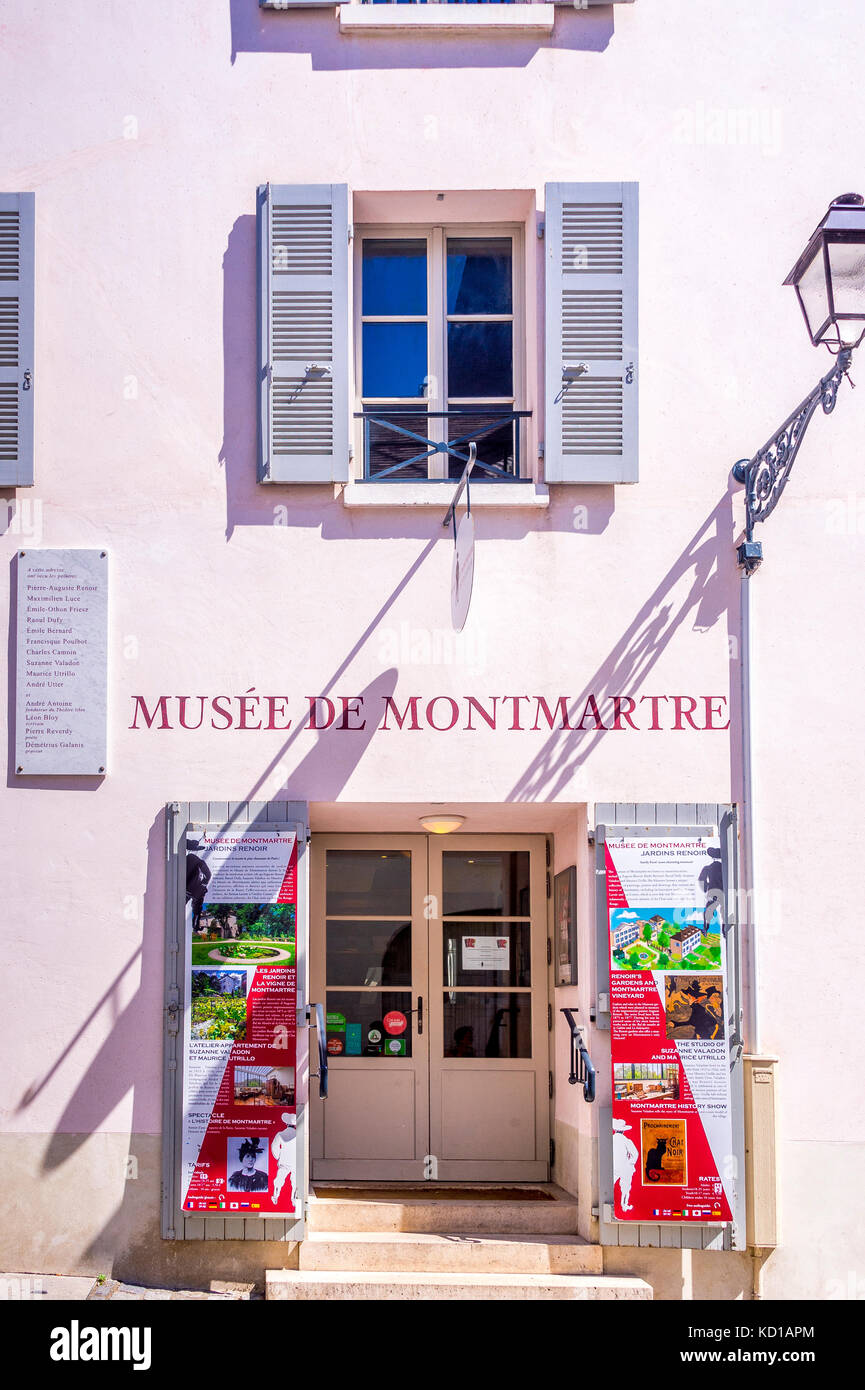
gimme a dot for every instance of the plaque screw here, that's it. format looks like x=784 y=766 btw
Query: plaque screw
x=19 y=769
x=102 y=769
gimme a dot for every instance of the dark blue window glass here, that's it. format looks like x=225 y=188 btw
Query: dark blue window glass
x=479 y=275
x=480 y=359
x=394 y=359
x=394 y=277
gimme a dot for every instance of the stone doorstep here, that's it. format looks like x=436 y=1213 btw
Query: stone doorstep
x=449 y=1253
x=369 y=1212
x=306 y=1285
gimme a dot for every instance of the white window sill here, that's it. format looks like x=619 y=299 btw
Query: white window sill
x=484 y=496
x=446 y=19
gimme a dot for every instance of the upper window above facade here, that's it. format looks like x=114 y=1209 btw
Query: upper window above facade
x=444 y=15
x=386 y=348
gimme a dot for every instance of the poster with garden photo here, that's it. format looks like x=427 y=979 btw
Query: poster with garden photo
x=240 y=1022
x=672 y=1126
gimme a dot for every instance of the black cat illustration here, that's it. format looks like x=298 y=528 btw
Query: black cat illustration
x=655 y=1161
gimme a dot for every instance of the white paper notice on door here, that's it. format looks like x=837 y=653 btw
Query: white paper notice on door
x=486 y=953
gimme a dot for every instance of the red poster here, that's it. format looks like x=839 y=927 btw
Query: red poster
x=240 y=1074
x=672 y=1132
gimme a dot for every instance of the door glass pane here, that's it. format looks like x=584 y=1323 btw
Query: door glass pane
x=480 y=359
x=394 y=277
x=356 y=1019
x=479 y=275
x=394 y=359
x=368 y=882
x=486 y=953
x=485 y=883
x=369 y=953
x=488 y=1025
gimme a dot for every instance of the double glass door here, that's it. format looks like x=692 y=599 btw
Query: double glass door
x=430 y=956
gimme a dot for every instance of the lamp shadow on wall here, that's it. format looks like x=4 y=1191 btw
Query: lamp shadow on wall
x=699 y=587
x=584 y=510
x=316 y=32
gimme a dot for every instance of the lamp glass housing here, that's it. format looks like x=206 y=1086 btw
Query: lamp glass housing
x=829 y=276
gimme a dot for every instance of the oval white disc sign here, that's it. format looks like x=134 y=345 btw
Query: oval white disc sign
x=462 y=572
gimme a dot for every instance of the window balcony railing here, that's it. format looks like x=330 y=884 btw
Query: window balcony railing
x=397 y=447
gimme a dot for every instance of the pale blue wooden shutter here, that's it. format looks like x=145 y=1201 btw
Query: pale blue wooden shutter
x=303 y=258
x=17 y=243
x=591 y=319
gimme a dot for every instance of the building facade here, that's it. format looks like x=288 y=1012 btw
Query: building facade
x=290 y=262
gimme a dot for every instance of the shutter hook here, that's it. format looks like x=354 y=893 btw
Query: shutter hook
x=26 y=383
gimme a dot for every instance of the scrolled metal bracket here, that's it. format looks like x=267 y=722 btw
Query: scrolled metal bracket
x=765 y=475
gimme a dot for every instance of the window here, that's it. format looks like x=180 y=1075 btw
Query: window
x=439 y=358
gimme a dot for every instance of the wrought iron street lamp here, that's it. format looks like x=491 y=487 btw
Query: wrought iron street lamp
x=829 y=279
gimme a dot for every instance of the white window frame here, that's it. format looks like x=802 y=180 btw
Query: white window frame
x=437 y=318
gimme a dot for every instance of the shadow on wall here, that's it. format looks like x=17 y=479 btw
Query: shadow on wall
x=578 y=510
x=700 y=586
x=130 y=1242
x=316 y=32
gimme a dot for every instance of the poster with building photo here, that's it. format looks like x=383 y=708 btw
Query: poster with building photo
x=240 y=1023
x=672 y=1123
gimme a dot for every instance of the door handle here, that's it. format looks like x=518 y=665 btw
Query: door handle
x=419 y=1012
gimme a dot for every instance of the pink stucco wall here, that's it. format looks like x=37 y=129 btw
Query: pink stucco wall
x=144 y=132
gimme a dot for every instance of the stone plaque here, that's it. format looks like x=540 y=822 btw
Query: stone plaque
x=62 y=663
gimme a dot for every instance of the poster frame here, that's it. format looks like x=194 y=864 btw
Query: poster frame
x=567 y=877
x=620 y=820
x=181 y=817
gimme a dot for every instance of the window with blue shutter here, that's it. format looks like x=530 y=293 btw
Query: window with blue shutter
x=591 y=333
x=17 y=244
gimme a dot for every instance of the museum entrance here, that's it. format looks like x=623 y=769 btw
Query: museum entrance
x=430 y=954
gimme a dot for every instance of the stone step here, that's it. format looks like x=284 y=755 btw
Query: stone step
x=449 y=1253
x=306 y=1285
x=371 y=1210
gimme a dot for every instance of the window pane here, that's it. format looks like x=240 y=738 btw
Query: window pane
x=486 y=953
x=488 y=1025
x=394 y=277
x=355 y=1023
x=387 y=448
x=370 y=953
x=485 y=883
x=394 y=359
x=480 y=359
x=497 y=447
x=371 y=882
x=479 y=275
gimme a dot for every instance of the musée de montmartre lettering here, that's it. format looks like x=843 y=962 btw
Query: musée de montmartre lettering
x=440 y=713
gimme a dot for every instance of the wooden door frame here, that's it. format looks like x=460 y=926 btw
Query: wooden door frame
x=425 y=981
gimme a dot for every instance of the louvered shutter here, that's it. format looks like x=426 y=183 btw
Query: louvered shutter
x=303 y=333
x=17 y=229
x=591 y=318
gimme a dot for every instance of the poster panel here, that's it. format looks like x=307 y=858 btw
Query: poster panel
x=239 y=1153
x=672 y=1117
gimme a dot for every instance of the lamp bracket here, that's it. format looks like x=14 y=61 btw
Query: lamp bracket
x=765 y=475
